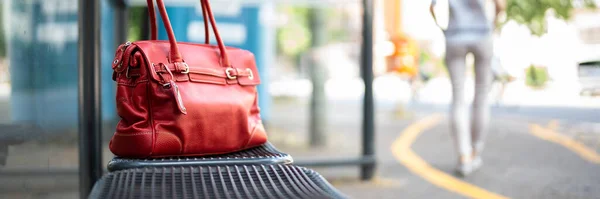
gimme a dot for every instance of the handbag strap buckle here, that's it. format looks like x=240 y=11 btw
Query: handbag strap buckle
x=165 y=81
x=228 y=73
x=187 y=68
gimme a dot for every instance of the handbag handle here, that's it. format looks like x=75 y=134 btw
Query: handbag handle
x=206 y=13
x=154 y=30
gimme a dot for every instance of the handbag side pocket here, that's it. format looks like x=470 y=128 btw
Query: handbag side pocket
x=258 y=134
x=134 y=136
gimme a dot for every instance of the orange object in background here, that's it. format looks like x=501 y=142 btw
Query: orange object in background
x=404 y=59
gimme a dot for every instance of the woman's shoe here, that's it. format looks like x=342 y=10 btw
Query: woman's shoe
x=464 y=169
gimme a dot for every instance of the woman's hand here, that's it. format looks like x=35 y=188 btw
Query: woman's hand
x=432 y=12
x=500 y=7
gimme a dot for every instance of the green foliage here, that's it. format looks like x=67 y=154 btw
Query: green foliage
x=136 y=19
x=532 y=13
x=335 y=21
x=2 y=38
x=536 y=76
x=294 y=37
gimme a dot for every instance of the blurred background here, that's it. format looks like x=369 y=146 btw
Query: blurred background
x=546 y=67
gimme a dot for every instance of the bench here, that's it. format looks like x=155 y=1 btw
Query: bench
x=260 y=172
x=15 y=134
x=264 y=154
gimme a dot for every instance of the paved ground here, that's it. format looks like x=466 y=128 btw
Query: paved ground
x=558 y=158
x=526 y=157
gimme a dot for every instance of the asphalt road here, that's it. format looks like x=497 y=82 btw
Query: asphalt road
x=531 y=152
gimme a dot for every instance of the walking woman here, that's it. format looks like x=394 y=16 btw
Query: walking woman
x=469 y=30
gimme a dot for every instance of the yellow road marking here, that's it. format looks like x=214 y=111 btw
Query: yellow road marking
x=401 y=148
x=550 y=135
x=553 y=125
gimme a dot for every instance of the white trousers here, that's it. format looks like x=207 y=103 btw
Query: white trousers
x=469 y=137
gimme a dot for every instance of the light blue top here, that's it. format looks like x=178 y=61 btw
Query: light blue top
x=468 y=21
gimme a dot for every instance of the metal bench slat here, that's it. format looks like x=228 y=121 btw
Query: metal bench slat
x=265 y=181
x=264 y=154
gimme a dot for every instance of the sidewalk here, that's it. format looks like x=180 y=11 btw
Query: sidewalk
x=517 y=163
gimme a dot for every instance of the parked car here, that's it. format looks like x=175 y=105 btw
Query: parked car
x=589 y=77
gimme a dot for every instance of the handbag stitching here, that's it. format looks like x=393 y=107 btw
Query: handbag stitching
x=181 y=147
x=207 y=73
x=252 y=134
x=151 y=119
x=132 y=84
x=259 y=122
x=228 y=81
x=141 y=81
x=128 y=134
x=208 y=82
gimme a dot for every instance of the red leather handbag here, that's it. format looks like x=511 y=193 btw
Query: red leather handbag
x=185 y=99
